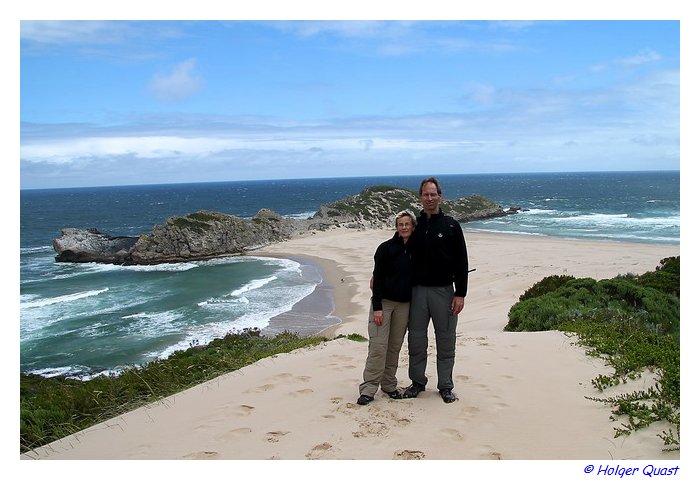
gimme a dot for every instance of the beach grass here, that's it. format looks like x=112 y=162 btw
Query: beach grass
x=52 y=408
x=633 y=323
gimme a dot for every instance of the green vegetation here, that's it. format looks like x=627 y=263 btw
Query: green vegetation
x=203 y=216
x=633 y=322
x=355 y=337
x=389 y=200
x=198 y=222
x=382 y=202
x=52 y=408
x=466 y=205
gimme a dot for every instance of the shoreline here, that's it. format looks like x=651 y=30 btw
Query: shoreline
x=332 y=287
x=522 y=396
x=317 y=312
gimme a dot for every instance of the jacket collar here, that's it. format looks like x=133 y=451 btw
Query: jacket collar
x=438 y=214
x=396 y=238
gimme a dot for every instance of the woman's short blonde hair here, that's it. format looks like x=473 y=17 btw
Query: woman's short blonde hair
x=405 y=213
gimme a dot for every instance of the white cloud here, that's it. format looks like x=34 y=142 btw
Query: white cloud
x=399 y=38
x=480 y=93
x=346 y=28
x=63 y=32
x=641 y=58
x=181 y=82
x=202 y=147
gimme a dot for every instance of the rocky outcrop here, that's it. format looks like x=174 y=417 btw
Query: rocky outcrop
x=76 y=245
x=206 y=234
x=376 y=206
x=196 y=236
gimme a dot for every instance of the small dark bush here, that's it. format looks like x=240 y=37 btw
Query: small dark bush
x=546 y=285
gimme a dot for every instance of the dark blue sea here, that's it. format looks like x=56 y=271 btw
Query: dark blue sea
x=86 y=319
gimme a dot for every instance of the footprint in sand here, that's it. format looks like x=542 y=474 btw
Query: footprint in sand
x=490 y=453
x=290 y=376
x=467 y=413
x=319 y=451
x=371 y=428
x=201 y=455
x=305 y=391
x=144 y=448
x=481 y=341
x=380 y=423
x=274 y=437
x=408 y=455
x=482 y=386
x=263 y=388
x=342 y=368
x=234 y=433
x=341 y=362
x=343 y=358
x=451 y=434
x=241 y=431
x=243 y=410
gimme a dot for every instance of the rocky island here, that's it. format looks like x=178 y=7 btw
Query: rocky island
x=206 y=234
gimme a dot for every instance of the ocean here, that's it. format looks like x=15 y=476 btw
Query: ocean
x=87 y=319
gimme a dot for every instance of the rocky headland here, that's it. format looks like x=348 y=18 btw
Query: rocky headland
x=206 y=234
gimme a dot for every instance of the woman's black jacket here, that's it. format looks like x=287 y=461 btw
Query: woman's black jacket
x=392 y=272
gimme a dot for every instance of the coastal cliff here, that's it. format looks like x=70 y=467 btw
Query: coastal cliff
x=206 y=234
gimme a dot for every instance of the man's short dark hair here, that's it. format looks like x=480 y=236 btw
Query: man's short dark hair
x=430 y=180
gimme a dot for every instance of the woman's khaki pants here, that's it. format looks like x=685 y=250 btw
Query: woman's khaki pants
x=385 y=343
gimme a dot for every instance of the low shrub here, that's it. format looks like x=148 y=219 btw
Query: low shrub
x=633 y=322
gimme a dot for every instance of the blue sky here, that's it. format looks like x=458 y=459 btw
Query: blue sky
x=133 y=102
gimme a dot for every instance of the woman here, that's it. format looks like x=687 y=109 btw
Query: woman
x=388 y=317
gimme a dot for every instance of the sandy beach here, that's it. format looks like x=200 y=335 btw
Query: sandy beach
x=521 y=396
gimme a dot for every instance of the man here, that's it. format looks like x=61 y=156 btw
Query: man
x=440 y=266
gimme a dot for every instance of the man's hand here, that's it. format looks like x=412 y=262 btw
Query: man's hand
x=379 y=318
x=457 y=305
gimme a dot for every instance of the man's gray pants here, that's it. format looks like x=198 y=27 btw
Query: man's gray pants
x=432 y=303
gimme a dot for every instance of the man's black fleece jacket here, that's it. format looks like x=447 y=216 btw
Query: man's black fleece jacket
x=392 y=272
x=439 y=253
